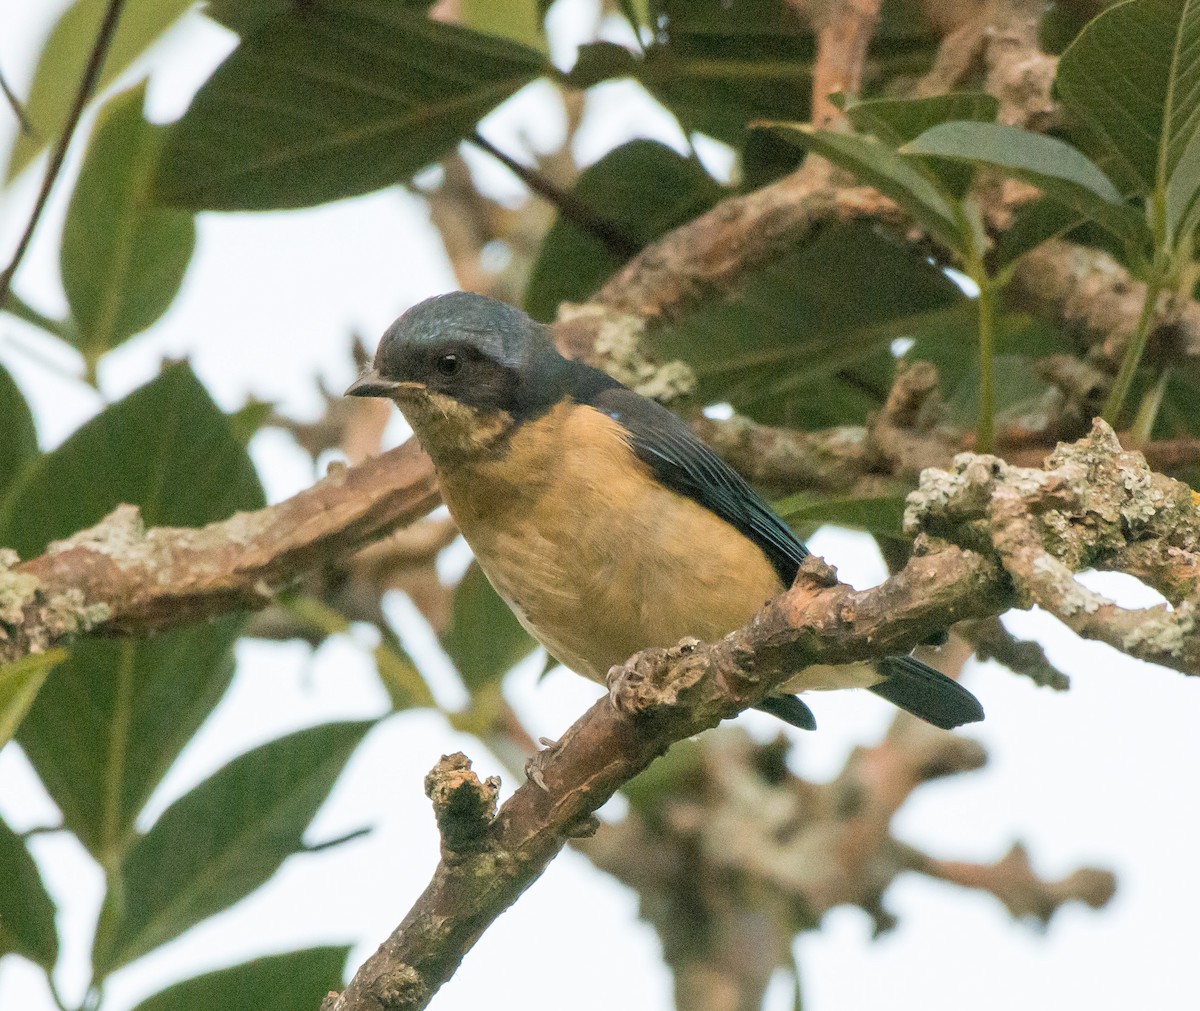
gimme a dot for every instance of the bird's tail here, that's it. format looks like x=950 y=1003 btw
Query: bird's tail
x=919 y=689
x=790 y=709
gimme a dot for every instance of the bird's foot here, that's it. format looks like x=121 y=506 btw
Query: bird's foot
x=536 y=762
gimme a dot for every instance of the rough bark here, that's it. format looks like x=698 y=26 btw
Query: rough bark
x=1091 y=502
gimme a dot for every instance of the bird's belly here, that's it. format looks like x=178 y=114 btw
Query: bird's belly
x=597 y=559
x=594 y=598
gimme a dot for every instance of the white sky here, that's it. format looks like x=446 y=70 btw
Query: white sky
x=1103 y=775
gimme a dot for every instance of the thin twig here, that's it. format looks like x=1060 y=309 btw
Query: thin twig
x=87 y=84
x=17 y=108
x=615 y=239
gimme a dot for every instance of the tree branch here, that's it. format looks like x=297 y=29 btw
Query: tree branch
x=1092 y=501
x=844 y=29
x=87 y=83
x=120 y=577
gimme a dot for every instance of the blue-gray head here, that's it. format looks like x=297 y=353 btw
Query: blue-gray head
x=461 y=360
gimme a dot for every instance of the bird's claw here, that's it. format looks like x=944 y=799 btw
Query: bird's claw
x=535 y=763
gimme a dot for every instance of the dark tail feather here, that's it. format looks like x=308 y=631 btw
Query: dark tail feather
x=789 y=709
x=918 y=689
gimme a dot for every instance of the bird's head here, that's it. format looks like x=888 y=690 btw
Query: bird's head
x=464 y=370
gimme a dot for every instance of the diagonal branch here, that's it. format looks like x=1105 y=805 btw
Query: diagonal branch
x=87 y=84
x=117 y=576
x=1091 y=502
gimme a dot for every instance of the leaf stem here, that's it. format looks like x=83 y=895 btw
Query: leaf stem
x=1148 y=409
x=985 y=433
x=1133 y=353
x=91 y=74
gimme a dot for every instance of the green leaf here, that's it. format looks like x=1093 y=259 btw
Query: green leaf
x=341 y=99
x=1058 y=169
x=642 y=189
x=1037 y=221
x=26 y=910
x=289 y=982
x=897 y=121
x=219 y=842
x=19 y=443
x=807 y=341
x=882 y=515
x=122 y=257
x=20 y=682
x=110 y=720
x=600 y=61
x=1133 y=76
x=484 y=639
x=719 y=66
x=166 y=448
x=66 y=52
x=878 y=165
x=939 y=338
x=1183 y=193
x=519 y=20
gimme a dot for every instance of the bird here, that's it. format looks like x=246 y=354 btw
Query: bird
x=603 y=522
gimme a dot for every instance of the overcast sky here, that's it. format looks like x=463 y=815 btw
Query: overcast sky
x=1103 y=774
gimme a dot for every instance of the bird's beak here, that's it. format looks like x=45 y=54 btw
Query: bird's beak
x=374 y=385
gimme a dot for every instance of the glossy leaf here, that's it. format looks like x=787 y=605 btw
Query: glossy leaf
x=720 y=66
x=26 y=910
x=337 y=100
x=19 y=443
x=220 y=841
x=65 y=54
x=1133 y=75
x=108 y=723
x=1058 y=169
x=484 y=638
x=288 y=982
x=807 y=341
x=122 y=257
x=642 y=190
x=897 y=121
x=20 y=682
x=878 y=165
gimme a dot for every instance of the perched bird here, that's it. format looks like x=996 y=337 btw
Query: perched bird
x=600 y=519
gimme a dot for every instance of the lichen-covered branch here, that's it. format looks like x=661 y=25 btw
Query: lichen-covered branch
x=120 y=577
x=1094 y=506
x=1089 y=504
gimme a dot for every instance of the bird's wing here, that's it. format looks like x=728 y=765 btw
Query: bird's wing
x=684 y=463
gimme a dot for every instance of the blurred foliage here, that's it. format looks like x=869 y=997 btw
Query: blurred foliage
x=328 y=99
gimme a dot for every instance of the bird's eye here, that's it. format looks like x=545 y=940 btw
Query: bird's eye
x=449 y=365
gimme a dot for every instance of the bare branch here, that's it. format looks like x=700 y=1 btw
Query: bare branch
x=844 y=29
x=87 y=84
x=1013 y=881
